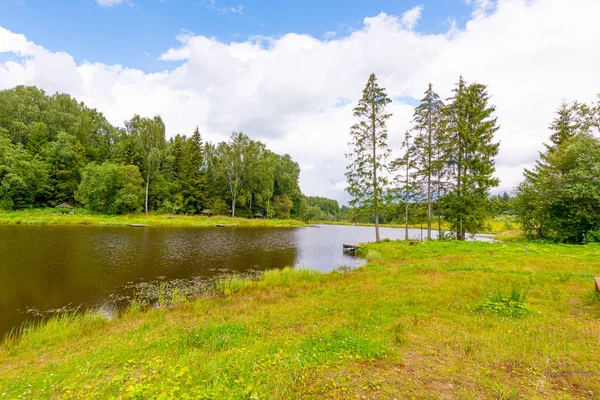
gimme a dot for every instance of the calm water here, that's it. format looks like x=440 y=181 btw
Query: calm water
x=46 y=269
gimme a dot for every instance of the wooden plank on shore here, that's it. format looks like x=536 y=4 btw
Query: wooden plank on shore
x=350 y=248
x=138 y=225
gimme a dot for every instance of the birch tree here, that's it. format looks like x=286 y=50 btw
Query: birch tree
x=148 y=135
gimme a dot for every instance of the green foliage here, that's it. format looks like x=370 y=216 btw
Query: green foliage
x=512 y=305
x=282 y=205
x=559 y=199
x=111 y=188
x=65 y=158
x=430 y=149
x=323 y=209
x=148 y=138
x=369 y=150
x=48 y=142
x=471 y=127
x=190 y=174
x=23 y=177
x=37 y=138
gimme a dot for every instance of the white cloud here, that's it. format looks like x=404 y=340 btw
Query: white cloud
x=213 y=5
x=109 y=3
x=481 y=7
x=410 y=18
x=296 y=92
x=329 y=35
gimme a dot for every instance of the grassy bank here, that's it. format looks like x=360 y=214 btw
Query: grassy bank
x=434 y=320
x=50 y=217
x=497 y=225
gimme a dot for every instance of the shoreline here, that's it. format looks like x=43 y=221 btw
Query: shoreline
x=50 y=217
x=301 y=333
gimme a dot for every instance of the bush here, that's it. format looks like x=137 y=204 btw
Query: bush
x=111 y=189
x=282 y=206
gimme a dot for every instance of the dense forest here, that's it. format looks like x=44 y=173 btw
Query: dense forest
x=55 y=150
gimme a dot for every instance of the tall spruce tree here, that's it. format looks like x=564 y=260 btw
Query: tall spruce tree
x=189 y=171
x=429 y=139
x=564 y=125
x=369 y=150
x=471 y=129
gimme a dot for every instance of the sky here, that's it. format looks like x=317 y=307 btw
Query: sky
x=289 y=73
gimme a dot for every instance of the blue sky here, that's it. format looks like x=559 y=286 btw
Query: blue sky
x=135 y=32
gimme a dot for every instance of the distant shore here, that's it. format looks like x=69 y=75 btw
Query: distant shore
x=51 y=217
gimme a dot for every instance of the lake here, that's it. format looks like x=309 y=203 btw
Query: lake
x=46 y=270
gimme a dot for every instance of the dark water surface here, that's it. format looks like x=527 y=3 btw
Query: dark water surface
x=50 y=269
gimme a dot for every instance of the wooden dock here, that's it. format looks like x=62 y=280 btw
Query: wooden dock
x=350 y=248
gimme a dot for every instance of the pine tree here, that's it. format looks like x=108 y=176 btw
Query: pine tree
x=471 y=132
x=189 y=171
x=428 y=120
x=369 y=149
x=197 y=175
x=563 y=128
x=37 y=138
x=564 y=125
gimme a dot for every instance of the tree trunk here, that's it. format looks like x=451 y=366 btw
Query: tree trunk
x=438 y=188
x=406 y=201
x=439 y=211
x=459 y=235
x=375 y=201
x=233 y=206
x=429 y=150
x=147 y=185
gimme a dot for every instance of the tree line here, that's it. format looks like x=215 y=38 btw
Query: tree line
x=446 y=167
x=446 y=161
x=54 y=150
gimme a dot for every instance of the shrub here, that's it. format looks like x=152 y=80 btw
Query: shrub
x=512 y=306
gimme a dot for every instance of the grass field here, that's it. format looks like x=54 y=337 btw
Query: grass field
x=433 y=320
x=51 y=217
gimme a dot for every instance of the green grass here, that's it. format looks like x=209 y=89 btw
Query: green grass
x=499 y=225
x=411 y=324
x=51 y=217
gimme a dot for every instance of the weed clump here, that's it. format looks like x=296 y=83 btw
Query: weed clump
x=512 y=306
